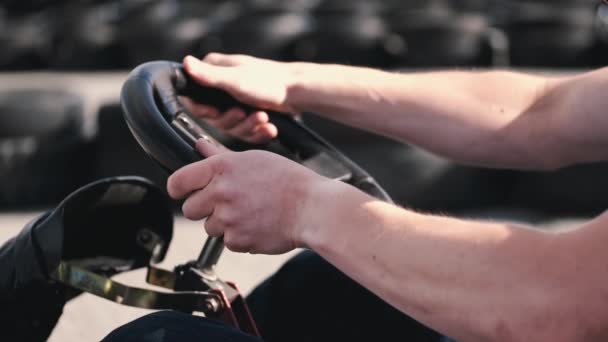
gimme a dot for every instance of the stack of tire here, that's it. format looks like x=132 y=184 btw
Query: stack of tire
x=346 y=32
x=385 y=34
x=439 y=33
x=548 y=33
x=119 y=34
x=171 y=29
x=25 y=35
x=44 y=154
x=117 y=153
x=266 y=29
x=86 y=36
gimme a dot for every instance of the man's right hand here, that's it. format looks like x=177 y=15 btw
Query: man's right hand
x=260 y=83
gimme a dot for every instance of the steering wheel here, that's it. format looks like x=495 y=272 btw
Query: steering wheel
x=165 y=130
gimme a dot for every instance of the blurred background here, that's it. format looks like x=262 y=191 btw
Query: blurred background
x=119 y=34
x=62 y=64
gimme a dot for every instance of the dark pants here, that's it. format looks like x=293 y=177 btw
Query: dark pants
x=170 y=326
x=306 y=300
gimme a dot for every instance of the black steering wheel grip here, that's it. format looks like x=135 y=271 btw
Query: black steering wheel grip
x=150 y=103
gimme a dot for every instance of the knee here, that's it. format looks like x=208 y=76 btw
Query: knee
x=169 y=326
x=305 y=267
x=154 y=327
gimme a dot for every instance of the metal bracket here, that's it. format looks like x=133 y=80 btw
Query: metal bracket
x=207 y=303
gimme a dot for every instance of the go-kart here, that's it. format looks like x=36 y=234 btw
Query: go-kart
x=120 y=224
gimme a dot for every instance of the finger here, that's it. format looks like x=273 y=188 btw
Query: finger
x=198 y=109
x=236 y=243
x=230 y=119
x=208 y=74
x=213 y=226
x=263 y=133
x=221 y=59
x=198 y=205
x=207 y=148
x=190 y=178
x=246 y=127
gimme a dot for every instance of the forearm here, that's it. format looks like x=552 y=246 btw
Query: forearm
x=494 y=118
x=475 y=281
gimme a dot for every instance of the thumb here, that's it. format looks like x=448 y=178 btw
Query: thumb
x=205 y=73
x=208 y=147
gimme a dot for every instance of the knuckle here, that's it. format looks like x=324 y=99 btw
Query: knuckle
x=226 y=220
x=258 y=138
x=240 y=88
x=225 y=192
x=175 y=185
x=189 y=210
x=221 y=123
x=212 y=121
x=223 y=164
x=234 y=116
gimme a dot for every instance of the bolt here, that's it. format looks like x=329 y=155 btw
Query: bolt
x=212 y=305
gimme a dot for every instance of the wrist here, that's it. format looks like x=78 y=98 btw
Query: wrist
x=329 y=89
x=319 y=197
x=306 y=84
x=325 y=212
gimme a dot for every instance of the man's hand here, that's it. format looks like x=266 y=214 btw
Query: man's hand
x=260 y=83
x=259 y=201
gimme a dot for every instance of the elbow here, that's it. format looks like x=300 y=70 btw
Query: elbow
x=555 y=315
x=529 y=144
x=526 y=326
x=558 y=298
x=551 y=154
x=541 y=155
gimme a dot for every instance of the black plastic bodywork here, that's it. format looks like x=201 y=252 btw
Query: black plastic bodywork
x=109 y=226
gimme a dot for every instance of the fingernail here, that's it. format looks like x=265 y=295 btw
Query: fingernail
x=191 y=59
x=203 y=138
x=263 y=117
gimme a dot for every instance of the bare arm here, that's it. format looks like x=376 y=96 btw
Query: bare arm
x=472 y=280
x=487 y=118
x=475 y=281
x=491 y=118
